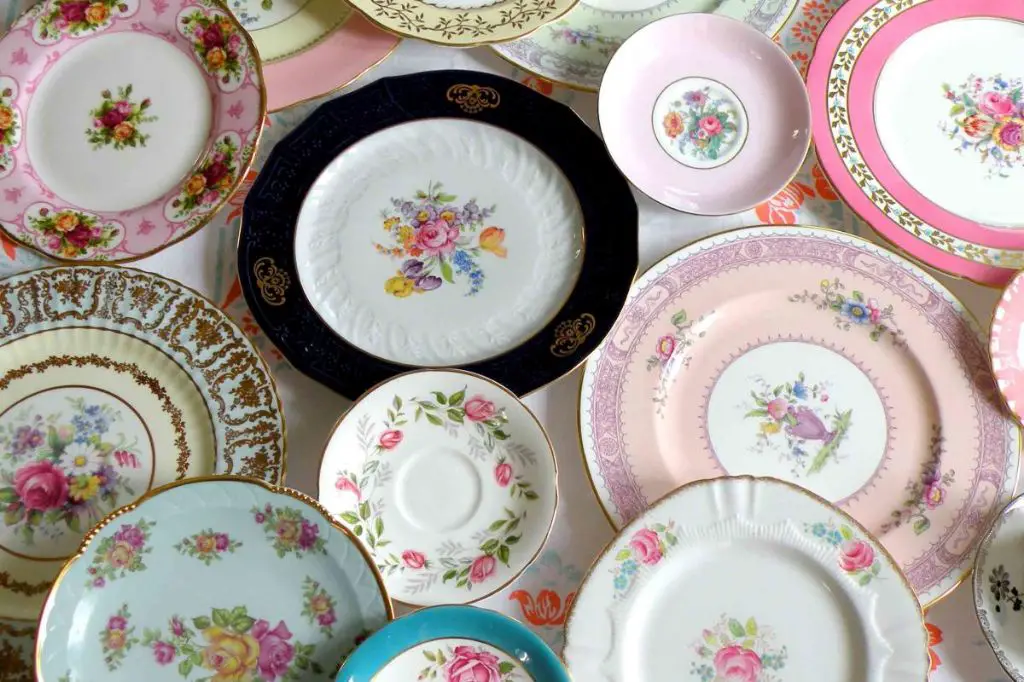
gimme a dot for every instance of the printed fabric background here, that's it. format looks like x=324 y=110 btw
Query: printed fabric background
x=542 y=596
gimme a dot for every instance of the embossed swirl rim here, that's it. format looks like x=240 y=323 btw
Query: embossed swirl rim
x=841 y=66
x=351 y=411
x=910 y=265
x=389 y=609
x=238 y=333
x=620 y=536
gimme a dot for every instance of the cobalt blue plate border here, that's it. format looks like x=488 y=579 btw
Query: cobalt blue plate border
x=437 y=622
x=266 y=252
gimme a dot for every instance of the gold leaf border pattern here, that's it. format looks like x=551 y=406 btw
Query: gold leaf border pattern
x=840 y=72
x=473 y=98
x=570 y=335
x=504 y=21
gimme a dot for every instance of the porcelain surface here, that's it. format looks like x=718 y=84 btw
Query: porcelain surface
x=997 y=598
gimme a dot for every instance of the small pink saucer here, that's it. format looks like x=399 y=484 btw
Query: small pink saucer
x=704 y=114
x=1007 y=345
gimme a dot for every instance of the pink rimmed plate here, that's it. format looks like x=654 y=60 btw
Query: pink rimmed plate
x=124 y=124
x=1007 y=346
x=704 y=114
x=815 y=357
x=924 y=142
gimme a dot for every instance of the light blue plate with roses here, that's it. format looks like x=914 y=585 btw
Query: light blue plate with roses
x=224 y=579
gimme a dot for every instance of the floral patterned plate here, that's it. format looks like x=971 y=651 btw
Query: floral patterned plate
x=314 y=596
x=439 y=226
x=575 y=50
x=124 y=124
x=815 y=357
x=999 y=588
x=942 y=183
x=747 y=560
x=454 y=644
x=705 y=114
x=449 y=480
x=114 y=381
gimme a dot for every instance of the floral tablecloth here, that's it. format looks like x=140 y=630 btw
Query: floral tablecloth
x=541 y=597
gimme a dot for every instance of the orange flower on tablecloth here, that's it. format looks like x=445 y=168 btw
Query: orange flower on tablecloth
x=822 y=185
x=546 y=609
x=544 y=87
x=934 y=637
x=10 y=249
x=781 y=209
x=238 y=198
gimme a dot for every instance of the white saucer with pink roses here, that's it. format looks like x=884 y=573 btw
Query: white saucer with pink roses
x=448 y=480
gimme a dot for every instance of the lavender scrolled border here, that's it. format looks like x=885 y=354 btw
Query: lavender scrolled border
x=933 y=573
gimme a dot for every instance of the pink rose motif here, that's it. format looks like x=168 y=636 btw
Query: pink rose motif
x=74 y=12
x=177 y=627
x=54 y=243
x=413 y=559
x=112 y=118
x=308 y=534
x=345 y=485
x=41 y=486
x=468 y=665
x=874 y=310
x=126 y=459
x=482 y=568
x=211 y=196
x=164 y=652
x=212 y=36
x=79 y=236
x=326 y=619
x=124 y=107
x=646 y=546
x=1011 y=135
x=737 y=664
x=503 y=474
x=99 y=582
x=777 y=409
x=479 y=409
x=275 y=652
x=665 y=346
x=996 y=104
x=131 y=536
x=390 y=439
x=117 y=623
x=437 y=237
x=855 y=555
x=934 y=495
x=215 y=172
x=221 y=542
x=235 y=41
x=711 y=125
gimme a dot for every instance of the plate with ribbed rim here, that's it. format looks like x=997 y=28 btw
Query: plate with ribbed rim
x=997 y=584
x=1005 y=345
x=576 y=49
x=124 y=124
x=450 y=481
x=115 y=381
x=315 y=596
x=746 y=559
x=363 y=235
x=457 y=643
x=816 y=357
x=941 y=185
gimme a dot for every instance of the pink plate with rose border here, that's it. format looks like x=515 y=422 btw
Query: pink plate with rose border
x=768 y=576
x=265 y=588
x=924 y=142
x=448 y=479
x=812 y=356
x=124 y=124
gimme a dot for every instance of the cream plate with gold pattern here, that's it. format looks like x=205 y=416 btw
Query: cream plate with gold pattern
x=114 y=381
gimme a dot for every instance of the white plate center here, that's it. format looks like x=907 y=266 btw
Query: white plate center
x=699 y=122
x=118 y=122
x=439 y=242
x=455 y=659
x=259 y=14
x=438 y=491
x=952 y=121
x=798 y=412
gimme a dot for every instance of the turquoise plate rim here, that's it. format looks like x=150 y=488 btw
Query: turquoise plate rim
x=470 y=622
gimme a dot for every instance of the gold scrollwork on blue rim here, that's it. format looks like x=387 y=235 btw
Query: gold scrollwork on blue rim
x=570 y=335
x=473 y=98
x=271 y=280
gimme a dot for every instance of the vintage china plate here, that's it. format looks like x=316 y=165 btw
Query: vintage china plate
x=441 y=642
x=704 y=114
x=124 y=124
x=449 y=480
x=114 y=381
x=462 y=23
x=998 y=573
x=816 y=357
x=314 y=596
x=746 y=560
x=310 y=47
x=943 y=183
x=438 y=227
x=575 y=50
x=1006 y=346
x=17 y=648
